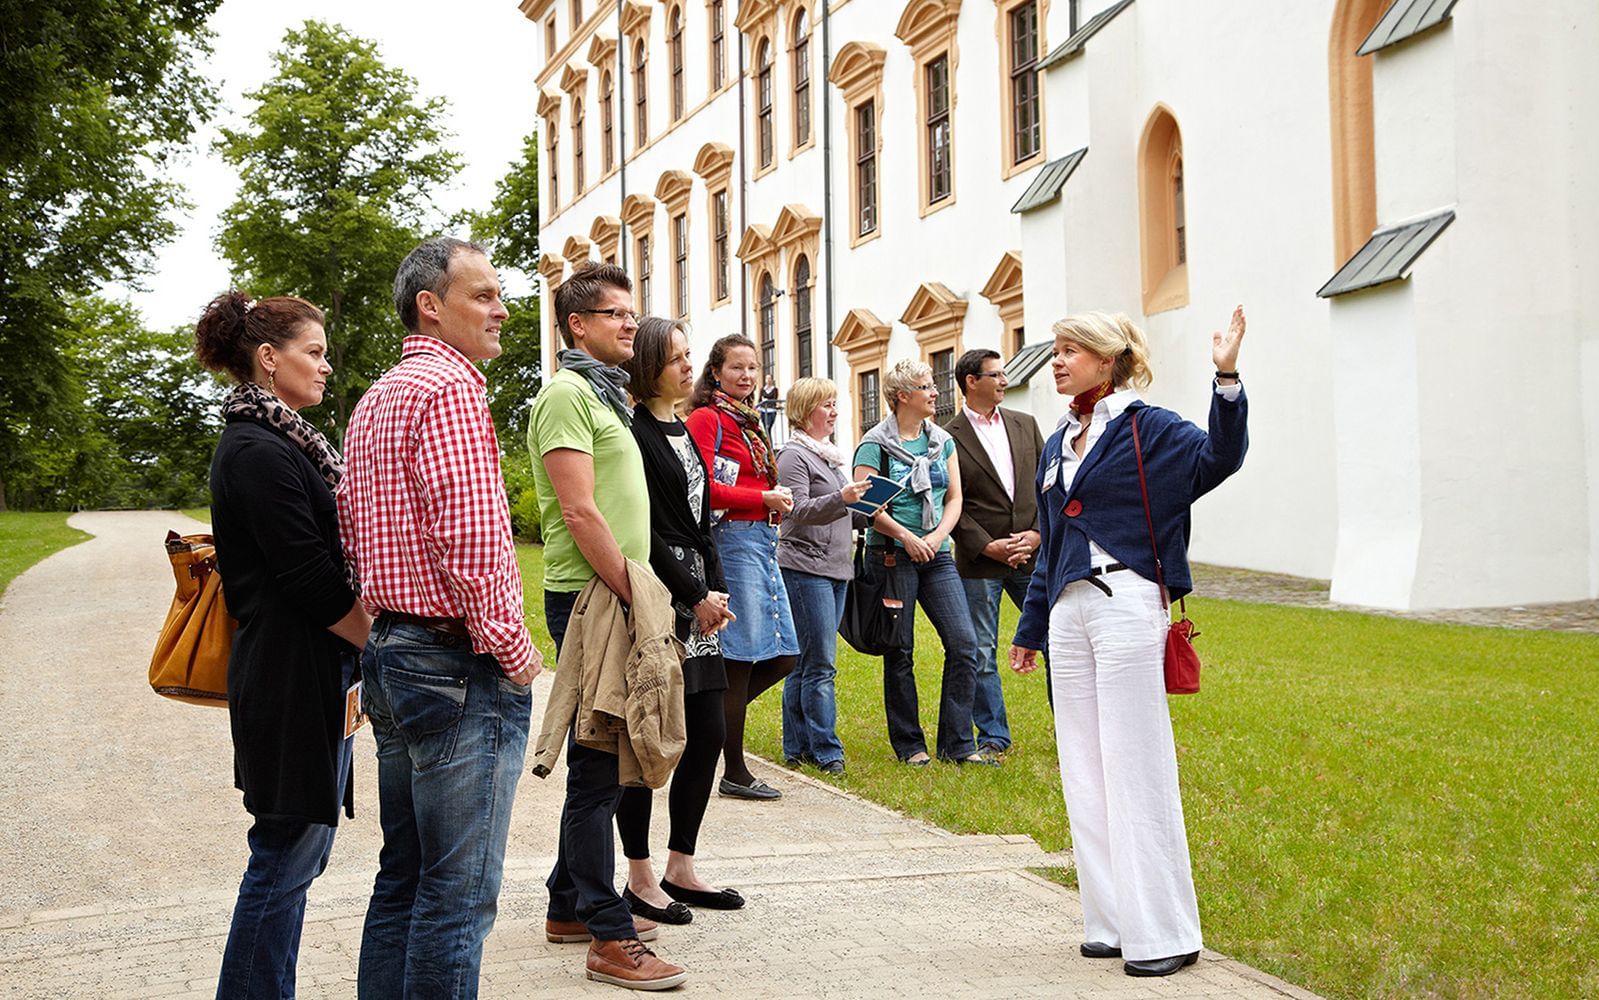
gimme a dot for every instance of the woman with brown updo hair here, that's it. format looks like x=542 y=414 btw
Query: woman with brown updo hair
x=301 y=626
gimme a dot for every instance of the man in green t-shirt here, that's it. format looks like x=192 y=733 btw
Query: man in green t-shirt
x=596 y=515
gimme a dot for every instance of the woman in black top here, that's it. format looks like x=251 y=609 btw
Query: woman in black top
x=660 y=377
x=300 y=624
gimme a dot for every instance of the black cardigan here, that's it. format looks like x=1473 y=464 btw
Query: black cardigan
x=672 y=521
x=277 y=537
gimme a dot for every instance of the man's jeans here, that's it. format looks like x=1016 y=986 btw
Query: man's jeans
x=264 y=941
x=582 y=883
x=937 y=586
x=451 y=731
x=810 y=705
x=988 y=706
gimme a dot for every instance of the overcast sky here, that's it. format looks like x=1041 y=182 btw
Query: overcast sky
x=478 y=54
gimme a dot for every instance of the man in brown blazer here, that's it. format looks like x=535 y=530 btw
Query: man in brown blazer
x=997 y=535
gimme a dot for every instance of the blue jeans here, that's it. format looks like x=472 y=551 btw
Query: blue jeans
x=582 y=883
x=451 y=731
x=810 y=707
x=937 y=586
x=988 y=704
x=264 y=940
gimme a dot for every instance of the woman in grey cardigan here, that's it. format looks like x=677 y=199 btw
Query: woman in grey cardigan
x=814 y=555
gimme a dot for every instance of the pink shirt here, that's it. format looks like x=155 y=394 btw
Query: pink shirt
x=991 y=434
x=422 y=508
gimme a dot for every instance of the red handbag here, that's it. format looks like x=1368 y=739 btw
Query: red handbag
x=1182 y=662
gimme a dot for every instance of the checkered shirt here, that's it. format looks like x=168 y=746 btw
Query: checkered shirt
x=422 y=504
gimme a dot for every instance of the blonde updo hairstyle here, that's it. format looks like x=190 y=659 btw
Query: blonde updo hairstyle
x=1111 y=335
x=804 y=396
x=905 y=376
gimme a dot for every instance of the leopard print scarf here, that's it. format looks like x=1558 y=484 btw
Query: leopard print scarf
x=252 y=402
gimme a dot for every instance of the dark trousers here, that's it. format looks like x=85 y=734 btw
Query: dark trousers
x=937 y=587
x=582 y=884
x=706 y=727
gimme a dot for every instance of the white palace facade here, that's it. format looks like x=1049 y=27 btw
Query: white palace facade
x=1403 y=193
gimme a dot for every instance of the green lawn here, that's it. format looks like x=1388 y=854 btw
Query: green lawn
x=201 y=514
x=26 y=538
x=1376 y=807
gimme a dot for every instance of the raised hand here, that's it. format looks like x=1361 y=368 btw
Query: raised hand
x=1224 y=347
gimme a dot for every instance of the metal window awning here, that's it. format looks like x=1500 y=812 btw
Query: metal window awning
x=1024 y=364
x=1073 y=45
x=1051 y=178
x=1388 y=255
x=1405 y=19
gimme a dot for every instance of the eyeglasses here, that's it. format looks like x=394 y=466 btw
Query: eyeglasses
x=922 y=388
x=998 y=374
x=617 y=314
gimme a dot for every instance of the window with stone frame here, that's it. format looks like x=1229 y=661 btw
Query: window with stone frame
x=553 y=142
x=763 y=62
x=641 y=249
x=680 y=263
x=866 y=167
x=802 y=316
x=718 y=45
x=938 y=129
x=607 y=121
x=1026 y=127
x=577 y=13
x=768 y=327
x=802 y=79
x=675 y=48
x=870 y=399
x=577 y=148
x=943 y=363
x=723 y=245
x=641 y=97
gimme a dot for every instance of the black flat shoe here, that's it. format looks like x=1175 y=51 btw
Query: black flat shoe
x=1160 y=966
x=673 y=913
x=834 y=767
x=722 y=899
x=1094 y=949
x=756 y=789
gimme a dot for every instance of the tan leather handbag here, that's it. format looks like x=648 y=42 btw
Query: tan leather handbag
x=190 y=662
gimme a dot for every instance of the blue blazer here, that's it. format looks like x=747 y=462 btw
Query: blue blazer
x=1181 y=464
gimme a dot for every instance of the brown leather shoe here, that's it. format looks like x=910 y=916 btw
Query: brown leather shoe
x=629 y=963
x=573 y=931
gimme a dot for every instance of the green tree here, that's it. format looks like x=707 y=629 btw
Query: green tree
x=140 y=420
x=510 y=229
x=338 y=165
x=97 y=99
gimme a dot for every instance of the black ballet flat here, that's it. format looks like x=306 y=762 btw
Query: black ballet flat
x=723 y=899
x=673 y=913
x=1096 y=949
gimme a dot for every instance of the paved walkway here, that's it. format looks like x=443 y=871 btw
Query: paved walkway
x=121 y=843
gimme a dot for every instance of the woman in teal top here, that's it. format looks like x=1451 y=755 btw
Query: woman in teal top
x=910 y=538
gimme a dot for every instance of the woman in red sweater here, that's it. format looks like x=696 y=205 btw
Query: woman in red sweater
x=760 y=646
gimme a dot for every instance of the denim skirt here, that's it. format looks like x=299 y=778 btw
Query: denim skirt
x=765 y=626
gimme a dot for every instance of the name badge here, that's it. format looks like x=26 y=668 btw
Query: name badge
x=1051 y=474
x=354 y=718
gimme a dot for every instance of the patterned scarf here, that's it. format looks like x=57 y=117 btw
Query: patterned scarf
x=252 y=402
x=755 y=438
x=1084 y=402
x=827 y=451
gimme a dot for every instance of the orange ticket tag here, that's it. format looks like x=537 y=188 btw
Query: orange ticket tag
x=354 y=718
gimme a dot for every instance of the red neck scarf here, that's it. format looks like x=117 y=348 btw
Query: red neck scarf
x=1084 y=402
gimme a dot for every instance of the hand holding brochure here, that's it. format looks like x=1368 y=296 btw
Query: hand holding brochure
x=879 y=493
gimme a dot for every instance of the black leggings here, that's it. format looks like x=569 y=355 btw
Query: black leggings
x=691 y=783
x=745 y=682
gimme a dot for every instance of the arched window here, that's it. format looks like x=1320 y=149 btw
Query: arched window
x=802 y=315
x=1162 y=213
x=607 y=119
x=641 y=98
x=553 y=154
x=768 y=326
x=577 y=147
x=1354 y=159
x=674 y=37
x=763 y=60
x=802 y=79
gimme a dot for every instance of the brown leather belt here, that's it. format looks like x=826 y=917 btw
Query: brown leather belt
x=449 y=626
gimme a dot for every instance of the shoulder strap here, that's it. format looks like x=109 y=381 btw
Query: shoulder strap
x=717 y=449
x=1149 y=521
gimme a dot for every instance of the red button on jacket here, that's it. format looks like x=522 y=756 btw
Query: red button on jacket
x=1074 y=508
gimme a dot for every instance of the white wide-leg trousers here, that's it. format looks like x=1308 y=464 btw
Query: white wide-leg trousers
x=1118 y=767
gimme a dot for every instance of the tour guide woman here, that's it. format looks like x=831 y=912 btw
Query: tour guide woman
x=300 y=625
x=1093 y=597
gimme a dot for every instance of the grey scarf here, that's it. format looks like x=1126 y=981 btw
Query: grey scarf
x=608 y=382
x=886 y=436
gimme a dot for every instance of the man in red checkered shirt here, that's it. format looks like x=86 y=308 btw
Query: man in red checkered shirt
x=445 y=675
